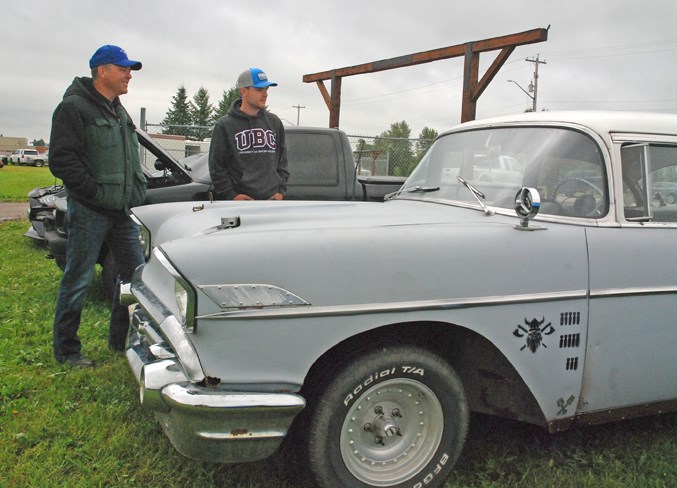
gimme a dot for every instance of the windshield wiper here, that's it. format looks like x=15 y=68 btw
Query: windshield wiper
x=478 y=196
x=411 y=189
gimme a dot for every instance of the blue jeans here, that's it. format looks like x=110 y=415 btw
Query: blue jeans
x=87 y=231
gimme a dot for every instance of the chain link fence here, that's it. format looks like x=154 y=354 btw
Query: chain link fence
x=387 y=156
x=375 y=156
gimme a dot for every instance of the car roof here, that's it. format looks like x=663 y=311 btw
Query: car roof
x=602 y=122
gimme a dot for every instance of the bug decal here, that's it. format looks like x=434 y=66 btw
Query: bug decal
x=534 y=334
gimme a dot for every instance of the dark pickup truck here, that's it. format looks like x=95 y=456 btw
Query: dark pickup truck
x=321 y=167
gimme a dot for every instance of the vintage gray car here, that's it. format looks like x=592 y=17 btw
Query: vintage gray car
x=370 y=331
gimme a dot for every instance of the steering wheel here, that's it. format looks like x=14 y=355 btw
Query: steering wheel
x=588 y=202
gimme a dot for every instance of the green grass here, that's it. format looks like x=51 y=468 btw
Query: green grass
x=17 y=181
x=62 y=427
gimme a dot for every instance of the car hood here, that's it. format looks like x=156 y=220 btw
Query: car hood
x=171 y=221
x=41 y=191
x=360 y=248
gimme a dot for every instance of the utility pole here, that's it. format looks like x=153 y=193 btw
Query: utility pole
x=298 y=113
x=533 y=87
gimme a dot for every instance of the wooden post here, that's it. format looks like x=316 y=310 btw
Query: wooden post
x=472 y=88
x=335 y=103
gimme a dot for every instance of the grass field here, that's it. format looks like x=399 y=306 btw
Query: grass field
x=62 y=427
x=17 y=181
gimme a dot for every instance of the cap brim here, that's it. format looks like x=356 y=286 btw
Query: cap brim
x=134 y=65
x=264 y=84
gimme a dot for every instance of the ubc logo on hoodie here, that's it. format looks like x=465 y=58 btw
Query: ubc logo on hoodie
x=255 y=141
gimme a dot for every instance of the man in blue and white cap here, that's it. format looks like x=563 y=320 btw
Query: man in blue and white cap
x=94 y=150
x=247 y=154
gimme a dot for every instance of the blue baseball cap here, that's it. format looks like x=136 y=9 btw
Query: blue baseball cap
x=109 y=54
x=253 y=77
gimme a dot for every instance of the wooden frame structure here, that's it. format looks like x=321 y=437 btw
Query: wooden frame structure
x=473 y=87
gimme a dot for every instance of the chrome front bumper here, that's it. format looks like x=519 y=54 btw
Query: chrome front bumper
x=205 y=422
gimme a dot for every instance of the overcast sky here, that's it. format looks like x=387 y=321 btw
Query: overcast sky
x=600 y=54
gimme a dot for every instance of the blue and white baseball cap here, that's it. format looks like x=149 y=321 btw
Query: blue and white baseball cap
x=253 y=77
x=109 y=54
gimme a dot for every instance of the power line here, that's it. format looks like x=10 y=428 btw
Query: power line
x=579 y=54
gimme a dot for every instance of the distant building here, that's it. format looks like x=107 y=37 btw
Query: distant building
x=178 y=146
x=9 y=144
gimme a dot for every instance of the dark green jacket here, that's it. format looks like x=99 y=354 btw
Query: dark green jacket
x=94 y=150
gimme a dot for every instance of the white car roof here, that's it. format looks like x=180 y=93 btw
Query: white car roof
x=602 y=122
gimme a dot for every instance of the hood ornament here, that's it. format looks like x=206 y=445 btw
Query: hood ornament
x=527 y=205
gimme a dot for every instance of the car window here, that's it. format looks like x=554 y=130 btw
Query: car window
x=649 y=175
x=565 y=166
x=315 y=159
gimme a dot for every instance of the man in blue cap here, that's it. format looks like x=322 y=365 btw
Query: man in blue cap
x=247 y=154
x=94 y=150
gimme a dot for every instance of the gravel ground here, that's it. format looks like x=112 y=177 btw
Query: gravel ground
x=13 y=211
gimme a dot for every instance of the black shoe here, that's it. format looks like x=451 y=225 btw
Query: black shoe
x=116 y=347
x=77 y=361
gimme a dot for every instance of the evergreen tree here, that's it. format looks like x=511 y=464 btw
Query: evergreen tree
x=425 y=140
x=179 y=114
x=396 y=144
x=226 y=101
x=202 y=114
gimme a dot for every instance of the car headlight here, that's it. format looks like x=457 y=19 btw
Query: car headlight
x=183 y=293
x=185 y=302
x=181 y=300
x=144 y=238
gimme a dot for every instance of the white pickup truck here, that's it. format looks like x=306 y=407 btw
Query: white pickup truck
x=30 y=157
x=498 y=168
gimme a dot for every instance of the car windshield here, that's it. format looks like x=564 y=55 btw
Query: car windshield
x=198 y=166
x=564 y=165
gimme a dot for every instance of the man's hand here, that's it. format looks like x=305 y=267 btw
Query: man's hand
x=242 y=196
x=277 y=196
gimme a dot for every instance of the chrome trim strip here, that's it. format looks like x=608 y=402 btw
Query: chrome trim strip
x=637 y=291
x=183 y=347
x=227 y=436
x=148 y=301
x=416 y=306
x=172 y=329
x=191 y=396
x=436 y=305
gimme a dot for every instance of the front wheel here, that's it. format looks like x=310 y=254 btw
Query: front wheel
x=394 y=417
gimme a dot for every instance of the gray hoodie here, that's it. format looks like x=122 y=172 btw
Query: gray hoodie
x=248 y=155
